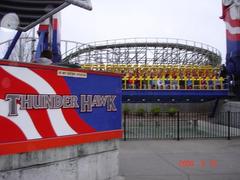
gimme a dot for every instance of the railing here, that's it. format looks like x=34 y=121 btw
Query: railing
x=172 y=77
x=129 y=83
x=180 y=125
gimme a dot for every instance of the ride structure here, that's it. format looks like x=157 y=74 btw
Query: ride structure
x=49 y=37
x=50 y=106
x=24 y=15
x=157 y=70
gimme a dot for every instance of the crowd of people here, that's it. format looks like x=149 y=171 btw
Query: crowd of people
x=167 y=76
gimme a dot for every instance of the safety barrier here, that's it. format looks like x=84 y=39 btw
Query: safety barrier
x=180 y=125
x=173 y=84
x=161 y=77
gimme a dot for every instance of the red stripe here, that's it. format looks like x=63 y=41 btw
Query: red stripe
x=33 y=145
x=60 y=86
x=233 y=37
x=11 y=85
x=55 y=24
x=53 y=67
x=10 y=132
x=233 y=23
x=43 y=27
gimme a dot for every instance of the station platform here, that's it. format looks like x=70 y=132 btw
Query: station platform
x=166 y=96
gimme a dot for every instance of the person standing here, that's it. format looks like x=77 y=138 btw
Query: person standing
x=45 y=58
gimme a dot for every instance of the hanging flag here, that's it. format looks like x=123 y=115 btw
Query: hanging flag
x=231 y=16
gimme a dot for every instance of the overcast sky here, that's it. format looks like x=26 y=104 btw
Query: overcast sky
x=196 y=20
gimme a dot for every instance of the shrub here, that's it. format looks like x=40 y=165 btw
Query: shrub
x=126 y=110
x=155 y=111
x=140 y=112
x=172 y=111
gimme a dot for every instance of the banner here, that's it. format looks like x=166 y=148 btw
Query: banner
x=41 y=104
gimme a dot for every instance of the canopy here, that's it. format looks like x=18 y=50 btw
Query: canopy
x=31 y=12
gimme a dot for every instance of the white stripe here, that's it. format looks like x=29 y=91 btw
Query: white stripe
x=23 y=120
x=234 y=12
x=232 y=30
x=56 y=116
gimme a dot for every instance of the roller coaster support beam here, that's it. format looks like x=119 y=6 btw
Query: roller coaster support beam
x=49 y=38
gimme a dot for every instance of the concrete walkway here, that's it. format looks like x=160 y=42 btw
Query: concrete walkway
x=180 y=160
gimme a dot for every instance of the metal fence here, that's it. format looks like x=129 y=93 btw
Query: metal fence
x=180 y=125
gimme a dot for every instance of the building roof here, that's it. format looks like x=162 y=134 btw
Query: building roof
x=32 y=12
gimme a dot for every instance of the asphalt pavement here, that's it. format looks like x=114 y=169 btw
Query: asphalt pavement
x=180 y=160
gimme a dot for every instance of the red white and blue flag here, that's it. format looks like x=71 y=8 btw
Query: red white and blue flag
x=231 y=16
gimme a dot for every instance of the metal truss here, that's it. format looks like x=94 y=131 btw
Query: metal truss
x=147 y=51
